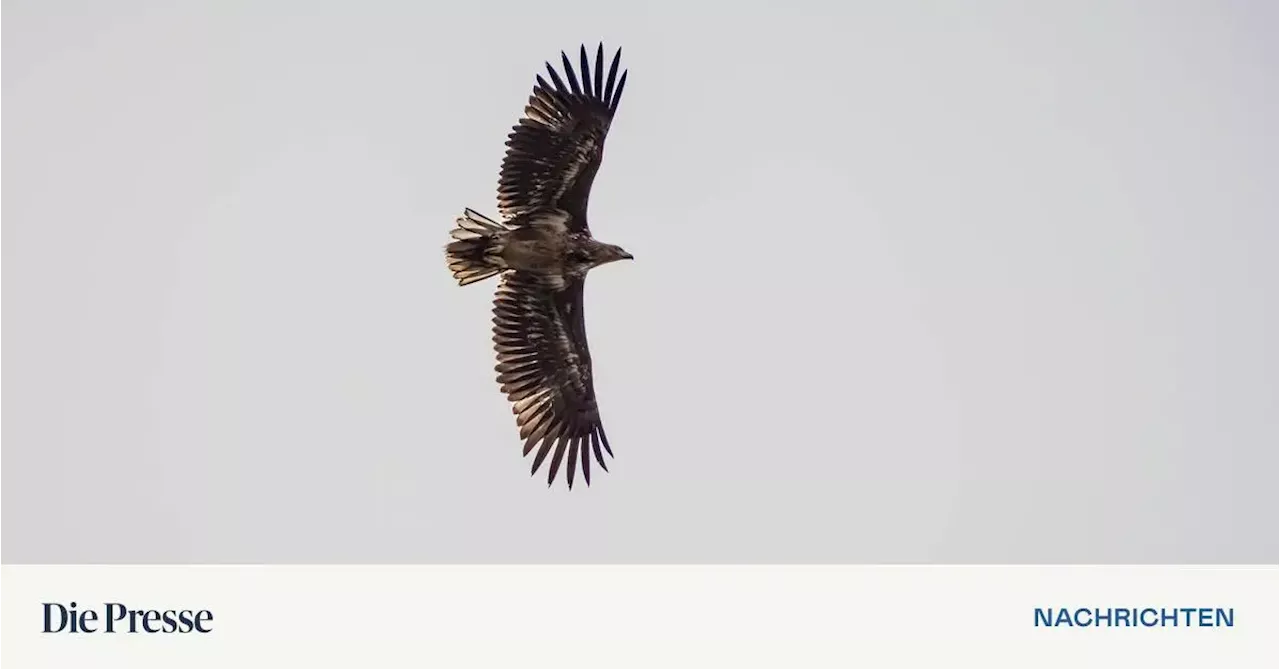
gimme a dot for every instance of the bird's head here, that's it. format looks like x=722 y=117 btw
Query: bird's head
x=609 y=253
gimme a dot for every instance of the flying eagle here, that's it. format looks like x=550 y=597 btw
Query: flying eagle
x=543 y=249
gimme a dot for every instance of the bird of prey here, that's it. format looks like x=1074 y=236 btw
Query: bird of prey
x=542 y=250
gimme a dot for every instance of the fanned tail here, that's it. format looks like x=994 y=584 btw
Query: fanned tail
x=476 y=253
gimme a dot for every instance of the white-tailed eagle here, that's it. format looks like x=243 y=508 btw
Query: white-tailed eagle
x=542 y=249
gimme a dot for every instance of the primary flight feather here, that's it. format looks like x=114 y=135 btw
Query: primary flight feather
x=543 y=249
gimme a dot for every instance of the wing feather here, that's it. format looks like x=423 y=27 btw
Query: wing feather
x=544 y=367
x=555 y=150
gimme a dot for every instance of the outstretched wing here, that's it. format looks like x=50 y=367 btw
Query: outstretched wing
x=553 y=153
x=545 y=370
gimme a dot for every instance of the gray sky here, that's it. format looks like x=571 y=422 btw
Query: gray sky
x=915 y=282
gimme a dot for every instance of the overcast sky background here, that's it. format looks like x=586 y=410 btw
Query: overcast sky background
x=914 y=282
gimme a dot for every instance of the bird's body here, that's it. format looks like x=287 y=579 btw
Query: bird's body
x=543 y=250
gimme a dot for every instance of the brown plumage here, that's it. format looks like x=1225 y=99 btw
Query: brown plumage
x=543 y=249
